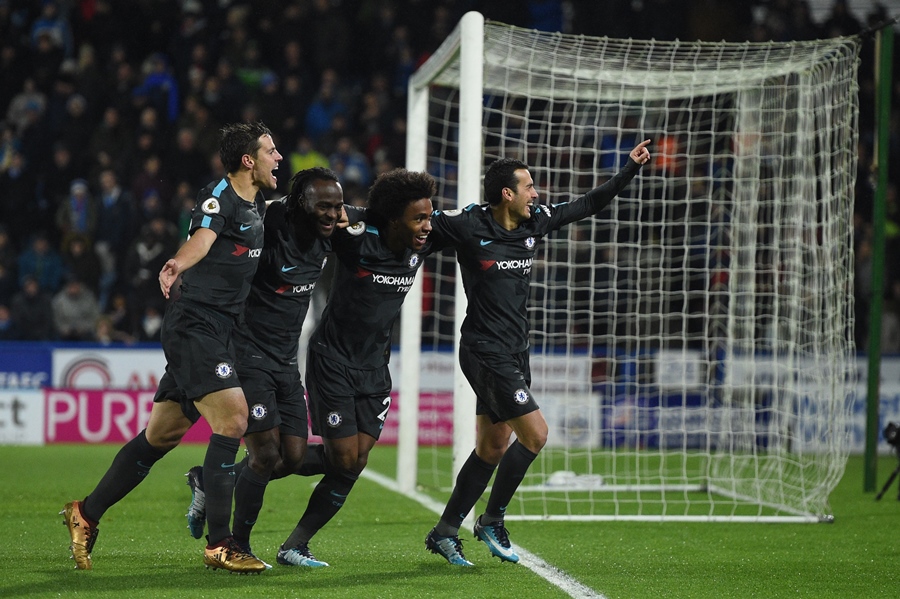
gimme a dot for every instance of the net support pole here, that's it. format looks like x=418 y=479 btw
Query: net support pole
x=884 y=50
x=471 y=91
x=411 y=316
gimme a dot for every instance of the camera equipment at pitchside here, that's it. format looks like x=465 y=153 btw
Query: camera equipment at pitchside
x=892 y=436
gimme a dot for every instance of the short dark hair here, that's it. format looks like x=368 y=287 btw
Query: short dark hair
x=239 y=139
x=394 y=190
x=300 y=184
x=500 y=174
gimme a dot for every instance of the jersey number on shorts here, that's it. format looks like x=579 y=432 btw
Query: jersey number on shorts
x=386 y=402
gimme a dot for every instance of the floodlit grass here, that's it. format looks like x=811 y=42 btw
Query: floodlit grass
x=375 y=545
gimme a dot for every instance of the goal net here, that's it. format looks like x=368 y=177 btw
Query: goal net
x=691 y=345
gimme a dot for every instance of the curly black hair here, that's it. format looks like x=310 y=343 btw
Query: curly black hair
x=394 y=190
x=238 y=139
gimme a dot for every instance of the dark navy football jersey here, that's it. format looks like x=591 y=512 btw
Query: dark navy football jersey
x=222 y=278
x=365 y=300
x=496 y=264
x=288 y=272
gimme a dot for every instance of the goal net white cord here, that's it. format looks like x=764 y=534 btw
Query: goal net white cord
x=691 y=345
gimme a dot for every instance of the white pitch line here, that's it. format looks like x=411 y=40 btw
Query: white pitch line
x=550 y=573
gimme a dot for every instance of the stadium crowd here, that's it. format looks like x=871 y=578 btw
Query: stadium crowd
x=110 y=115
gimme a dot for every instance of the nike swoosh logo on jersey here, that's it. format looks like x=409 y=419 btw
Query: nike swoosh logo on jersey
x=245 y=227
x=224 y=465
x=486 y=241
x=287 y=268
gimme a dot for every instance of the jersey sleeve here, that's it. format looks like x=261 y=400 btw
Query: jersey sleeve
x=354 y=213
x=209 y=213
x=449 y=228
x=590 y=203
x=276 y=227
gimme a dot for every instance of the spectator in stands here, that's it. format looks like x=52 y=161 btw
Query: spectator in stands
x=53 y=24
x=106 y=334
x=115 y=224
x=151 y=179
x=32 y=312
x=269 y=101
x=197 y=117
x=120 y=316
x=305 y=156
x=13 y=67
x=296 y=100
x=77 y=215
x=89 y=79
x=372 y=123
x=329 y=41
x=81 y=261
x=17 y=186
x=350 y=164
x=841 y=21
x=42 y=263
x=46 y=58
x=78 y=122
x=110 y=137
x=151 y=322
x=159 y=87
x=324 y=107
x=75 y=311
x=28 y=99
x=56 y=176
x=156 y=243
x=224 y=93
x=185 y=160
x=63 y=90
x=182 y=206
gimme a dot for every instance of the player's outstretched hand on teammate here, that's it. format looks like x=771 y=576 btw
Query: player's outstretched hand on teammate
x=640 y=153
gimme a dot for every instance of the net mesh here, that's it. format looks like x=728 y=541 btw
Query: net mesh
x=691 y=345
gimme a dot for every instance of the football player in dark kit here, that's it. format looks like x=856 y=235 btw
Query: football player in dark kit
x=495 y=247
x=295 y=250
x=347 y=372
x=217 y=264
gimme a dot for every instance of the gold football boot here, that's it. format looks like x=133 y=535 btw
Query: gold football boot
x=83 y=535
x=228 y=555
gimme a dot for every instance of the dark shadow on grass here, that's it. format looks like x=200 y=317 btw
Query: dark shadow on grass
x=164 y=579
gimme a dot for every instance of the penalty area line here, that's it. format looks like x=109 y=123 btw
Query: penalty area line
x=548 y=572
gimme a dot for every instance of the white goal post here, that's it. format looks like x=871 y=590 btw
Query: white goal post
x=692 y=345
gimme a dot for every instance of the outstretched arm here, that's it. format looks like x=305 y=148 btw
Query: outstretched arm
x=193 y=250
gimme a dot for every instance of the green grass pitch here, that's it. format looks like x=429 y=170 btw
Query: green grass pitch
x=376 y=544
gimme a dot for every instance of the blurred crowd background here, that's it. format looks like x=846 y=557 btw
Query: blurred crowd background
x=109 y=118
